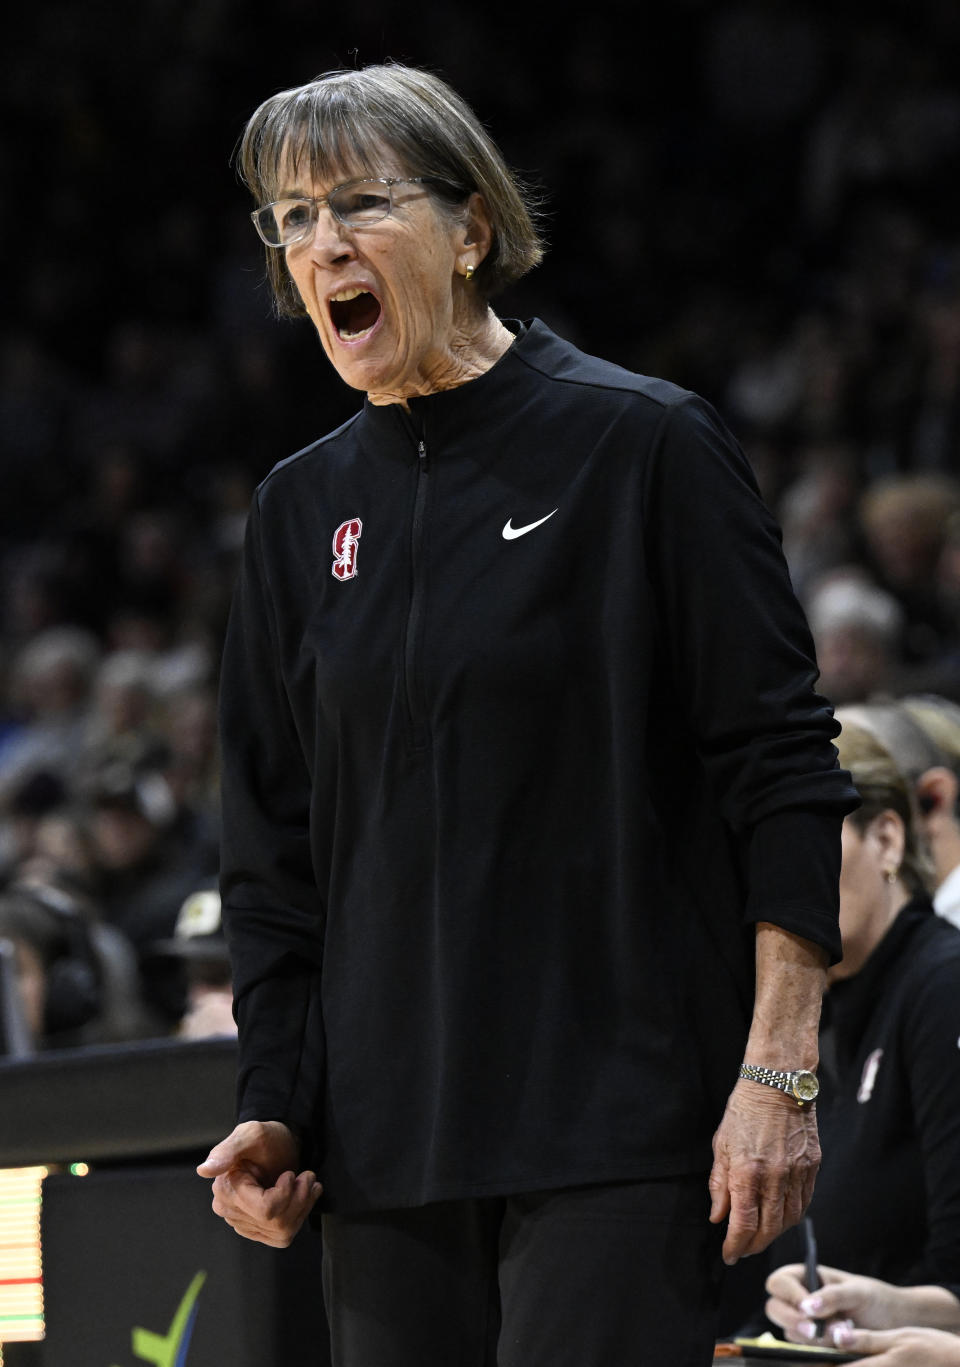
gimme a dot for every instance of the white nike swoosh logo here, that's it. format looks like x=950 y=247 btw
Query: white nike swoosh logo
x=510 y=533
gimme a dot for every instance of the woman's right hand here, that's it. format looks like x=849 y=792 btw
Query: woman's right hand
x=256 y=1186
x=841 y=1299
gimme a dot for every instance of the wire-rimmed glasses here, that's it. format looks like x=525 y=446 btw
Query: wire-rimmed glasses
x=355 y=204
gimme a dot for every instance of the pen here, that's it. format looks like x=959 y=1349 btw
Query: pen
x=810 y=1260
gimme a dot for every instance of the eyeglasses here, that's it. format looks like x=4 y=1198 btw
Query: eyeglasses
x=355 y=204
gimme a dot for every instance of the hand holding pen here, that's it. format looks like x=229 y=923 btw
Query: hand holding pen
x=811 y=1274
x=840 y=1300
x=855 y=1311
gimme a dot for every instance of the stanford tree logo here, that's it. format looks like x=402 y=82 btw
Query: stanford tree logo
x=345 y=540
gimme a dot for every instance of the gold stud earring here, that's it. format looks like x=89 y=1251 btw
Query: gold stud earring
x=891 y=875
x=469 y=273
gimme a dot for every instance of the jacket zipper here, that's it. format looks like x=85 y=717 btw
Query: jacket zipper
x=411 y=652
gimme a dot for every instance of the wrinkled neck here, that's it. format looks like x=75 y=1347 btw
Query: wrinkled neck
x=476 y=345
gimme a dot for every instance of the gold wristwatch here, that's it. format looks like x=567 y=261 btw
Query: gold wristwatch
x=801 y=1084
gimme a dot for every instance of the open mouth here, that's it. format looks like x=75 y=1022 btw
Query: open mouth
x=354 y=313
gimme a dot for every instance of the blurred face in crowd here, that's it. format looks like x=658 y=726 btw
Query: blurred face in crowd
x=123 y=707
x=854 y=663
x=54 y=690
x=61 y=847
x=191 y=726
x=122 y=837
x=388 y=299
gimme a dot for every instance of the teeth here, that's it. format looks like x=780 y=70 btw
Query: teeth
x=352 y=336
x=345 y=296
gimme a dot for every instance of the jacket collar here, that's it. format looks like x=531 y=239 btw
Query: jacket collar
x=451 y=412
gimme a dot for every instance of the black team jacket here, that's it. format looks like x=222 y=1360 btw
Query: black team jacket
x=519 y=739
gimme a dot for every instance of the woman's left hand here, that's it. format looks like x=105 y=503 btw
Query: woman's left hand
x=766 y=1155
x=901 y=1347
x=257 y=1188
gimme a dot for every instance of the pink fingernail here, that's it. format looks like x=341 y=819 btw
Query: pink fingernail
x=811 y=1305
x=807 y=1329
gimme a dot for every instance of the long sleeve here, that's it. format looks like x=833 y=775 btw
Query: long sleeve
x=272 y=911
x=742 y=658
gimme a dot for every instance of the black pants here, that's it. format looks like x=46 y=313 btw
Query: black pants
x=600 y=1276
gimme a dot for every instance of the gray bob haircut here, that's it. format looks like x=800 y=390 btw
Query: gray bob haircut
x=343 y=122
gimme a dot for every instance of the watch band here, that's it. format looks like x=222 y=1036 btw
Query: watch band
x=801 y=1084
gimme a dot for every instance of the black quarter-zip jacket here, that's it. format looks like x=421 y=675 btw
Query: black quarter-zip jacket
x=519 y=739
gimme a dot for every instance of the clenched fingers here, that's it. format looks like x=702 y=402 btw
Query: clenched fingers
x=270 y=1215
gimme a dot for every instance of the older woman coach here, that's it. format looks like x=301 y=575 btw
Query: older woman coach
x=530 y=809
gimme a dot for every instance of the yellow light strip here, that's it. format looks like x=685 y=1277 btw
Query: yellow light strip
x=21 y=1273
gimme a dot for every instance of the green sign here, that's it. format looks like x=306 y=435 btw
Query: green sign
x=170 y=1349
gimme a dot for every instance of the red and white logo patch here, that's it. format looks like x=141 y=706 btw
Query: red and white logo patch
x=345 y=540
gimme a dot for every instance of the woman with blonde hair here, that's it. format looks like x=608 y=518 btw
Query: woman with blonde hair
x=887 y=1203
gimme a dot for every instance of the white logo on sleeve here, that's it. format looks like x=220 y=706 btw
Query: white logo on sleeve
x=510 y=532
x=869 y=1076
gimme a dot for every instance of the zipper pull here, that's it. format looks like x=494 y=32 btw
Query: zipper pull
x=422 y=453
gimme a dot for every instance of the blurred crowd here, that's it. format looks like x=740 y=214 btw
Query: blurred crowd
x=753 y=198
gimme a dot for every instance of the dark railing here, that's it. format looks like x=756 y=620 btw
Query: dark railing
x=104 y=1103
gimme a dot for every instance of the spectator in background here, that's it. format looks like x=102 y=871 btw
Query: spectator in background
x=815 y=514
x=151 y=852
x=77 y=980
x=905 y=521
x=51 y=682
x=857 y=629
x=938 y=797
x=199 y=949
x=60 y=852
x=943 y=676
x=188 y=723
x=909 y=745
x=922 y=734
x=25 y=809
x=891 y=121
x=33 y=938
x=887 y=1201
x=122 y=721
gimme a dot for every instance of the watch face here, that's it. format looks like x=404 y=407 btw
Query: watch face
x=805 y=1086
